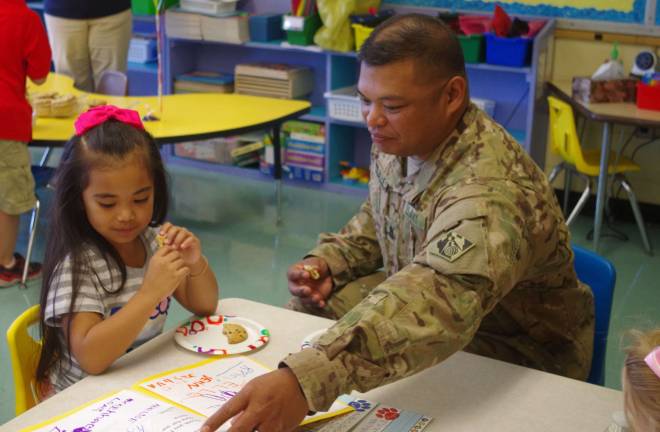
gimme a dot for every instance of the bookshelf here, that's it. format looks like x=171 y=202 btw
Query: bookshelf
x=518 y=95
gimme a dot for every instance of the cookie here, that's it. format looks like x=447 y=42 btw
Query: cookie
x=235 y=333
x=160 y=239
x=312 y=270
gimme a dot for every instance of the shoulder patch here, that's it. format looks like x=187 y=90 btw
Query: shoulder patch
x=451 y=246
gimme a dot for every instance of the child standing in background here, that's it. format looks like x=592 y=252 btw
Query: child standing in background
x=107 y=284
x=641 y=382
x=24 y=53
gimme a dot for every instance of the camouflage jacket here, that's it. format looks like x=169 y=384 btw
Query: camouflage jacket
x=478 y=258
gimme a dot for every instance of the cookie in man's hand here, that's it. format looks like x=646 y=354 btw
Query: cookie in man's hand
x=235 y=333
x=160 y=239
x=312 y=270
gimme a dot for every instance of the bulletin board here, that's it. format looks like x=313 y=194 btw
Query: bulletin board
x=612 y=11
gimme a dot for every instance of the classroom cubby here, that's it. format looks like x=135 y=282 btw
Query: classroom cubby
x=516 y=91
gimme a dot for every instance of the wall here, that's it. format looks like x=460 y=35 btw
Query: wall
x=581 y=58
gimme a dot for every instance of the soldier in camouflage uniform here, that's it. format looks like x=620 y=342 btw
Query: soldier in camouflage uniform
x=474 y=247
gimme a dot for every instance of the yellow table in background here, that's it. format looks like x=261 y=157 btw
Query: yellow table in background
x=184 y=117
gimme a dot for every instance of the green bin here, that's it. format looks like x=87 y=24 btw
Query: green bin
x=146 y=7
x=306 y=36
x=473 y=47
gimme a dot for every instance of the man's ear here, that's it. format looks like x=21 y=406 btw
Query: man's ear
x=456 y=94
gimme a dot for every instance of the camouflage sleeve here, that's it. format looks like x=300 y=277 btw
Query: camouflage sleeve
x=354 y=251
x=425 y=312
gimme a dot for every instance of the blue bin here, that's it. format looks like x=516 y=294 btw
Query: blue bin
x=264 y=28
x=503 y=51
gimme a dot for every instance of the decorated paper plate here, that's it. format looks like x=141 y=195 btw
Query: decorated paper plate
x=212 y=335
x=311 y=338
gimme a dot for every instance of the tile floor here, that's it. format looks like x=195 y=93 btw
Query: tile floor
x=234 y=218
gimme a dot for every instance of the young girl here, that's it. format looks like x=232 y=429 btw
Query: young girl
x=107 y=285
x=641 y=382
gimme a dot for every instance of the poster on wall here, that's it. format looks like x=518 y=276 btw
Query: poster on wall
x=617 y=11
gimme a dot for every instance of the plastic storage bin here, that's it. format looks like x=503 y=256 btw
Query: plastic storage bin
x=142 y=50
x=343 y=104
x=648 y=97
x=502 y=51
x=146 y=7
x=301 y=35
x=473 y=47
x=264 y=28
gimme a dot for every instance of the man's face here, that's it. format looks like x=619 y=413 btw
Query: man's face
x=405 y=111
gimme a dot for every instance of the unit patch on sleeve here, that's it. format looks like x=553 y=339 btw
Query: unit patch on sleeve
x=451 y=246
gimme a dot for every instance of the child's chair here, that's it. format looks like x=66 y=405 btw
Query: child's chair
x=42 y=176
x=585 y=164
x=600 y=275
x=113 y=83
x=24 y=352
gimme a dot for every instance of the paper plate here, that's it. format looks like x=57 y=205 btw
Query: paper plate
x=204 y=335
x=309 y=340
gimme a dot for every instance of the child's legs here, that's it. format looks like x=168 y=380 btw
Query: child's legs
x=16 y=193
x=8 y=235
x=69 y=43
x=109 y=38
x=344 y=299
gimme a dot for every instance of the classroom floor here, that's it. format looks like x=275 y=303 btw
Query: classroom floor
x=234 y=218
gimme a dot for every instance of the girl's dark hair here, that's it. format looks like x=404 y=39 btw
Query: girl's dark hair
x=70 y=233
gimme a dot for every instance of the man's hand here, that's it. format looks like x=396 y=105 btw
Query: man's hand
x=269 y=403
x=310 y=280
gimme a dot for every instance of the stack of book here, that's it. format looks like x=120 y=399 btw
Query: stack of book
x=242 y=150
x=222 y=27
x=209 y=6
x=304 y=157
x=274 y=80
x=204 y=82
x=232 y=29
x=183 y=25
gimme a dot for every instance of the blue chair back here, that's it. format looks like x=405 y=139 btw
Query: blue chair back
x=600 y=275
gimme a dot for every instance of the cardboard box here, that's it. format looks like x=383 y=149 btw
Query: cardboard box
x=587 y=90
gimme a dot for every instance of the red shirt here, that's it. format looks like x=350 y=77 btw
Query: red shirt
x=24 y=52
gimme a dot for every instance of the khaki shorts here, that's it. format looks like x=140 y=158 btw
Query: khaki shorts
x=16 y=181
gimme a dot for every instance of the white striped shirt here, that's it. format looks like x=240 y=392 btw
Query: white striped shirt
x=97 y=293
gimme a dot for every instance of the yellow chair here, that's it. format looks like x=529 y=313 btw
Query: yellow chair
x=24 y=352
x=585 y=164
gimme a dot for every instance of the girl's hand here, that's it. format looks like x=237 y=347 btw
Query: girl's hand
x=183 y=241
x=166 y=271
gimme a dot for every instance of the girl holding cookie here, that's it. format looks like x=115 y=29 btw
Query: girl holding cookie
x=107 y=285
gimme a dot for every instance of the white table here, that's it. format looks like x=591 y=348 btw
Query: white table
x=464 y=393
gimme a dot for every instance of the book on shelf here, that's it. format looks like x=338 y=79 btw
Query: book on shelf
x=273 y=80
x=198 y=87
x=232 y=29
x=204 y=81
x=183 y=25
x=208 y=77
x=271 y=70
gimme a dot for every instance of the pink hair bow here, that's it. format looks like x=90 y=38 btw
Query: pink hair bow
x=100 y=114
x=653 y=360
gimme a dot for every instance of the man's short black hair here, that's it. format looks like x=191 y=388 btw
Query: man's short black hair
x=418 y=37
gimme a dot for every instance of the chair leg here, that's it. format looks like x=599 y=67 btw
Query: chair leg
x=555 y=172
x=568 y=177
x=34 y=221
x=581 y=202
x=637 y=212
